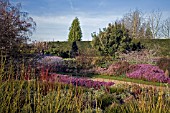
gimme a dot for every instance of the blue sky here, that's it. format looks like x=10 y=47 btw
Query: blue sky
x=54 y=17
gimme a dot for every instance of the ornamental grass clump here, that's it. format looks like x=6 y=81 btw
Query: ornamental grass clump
x=149 y=101
x=149 y=72
x=28 y=94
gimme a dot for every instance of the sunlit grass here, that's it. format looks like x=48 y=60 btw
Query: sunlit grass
x=126 y=79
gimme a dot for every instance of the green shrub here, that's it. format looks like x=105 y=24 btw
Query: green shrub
x=69 y=65
x=84 y=62
x=102 y=61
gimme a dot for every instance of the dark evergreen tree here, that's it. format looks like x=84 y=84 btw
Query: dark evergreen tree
x=75 y=33
x=114 y=38
x=74 y=50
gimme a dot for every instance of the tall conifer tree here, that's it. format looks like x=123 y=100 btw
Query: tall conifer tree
x=75 y=33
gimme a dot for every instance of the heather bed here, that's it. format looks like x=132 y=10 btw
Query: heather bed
x=150 y=73
x=145 y=72
x=78 y=81
x=122 y=78
x=119 y=70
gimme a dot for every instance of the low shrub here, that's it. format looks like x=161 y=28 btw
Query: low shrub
x=102 y=61
x=117 y=69
x=84 y=62
x=87 y=62
x=69 y=66
x=139 y=57
x=164 y=64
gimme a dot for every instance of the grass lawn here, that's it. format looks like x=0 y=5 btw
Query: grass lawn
x=120 y=78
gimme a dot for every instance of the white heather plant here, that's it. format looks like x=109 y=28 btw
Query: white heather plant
x=49 y=60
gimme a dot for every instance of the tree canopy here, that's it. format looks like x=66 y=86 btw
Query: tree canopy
x=75 y=33
x=16 y=27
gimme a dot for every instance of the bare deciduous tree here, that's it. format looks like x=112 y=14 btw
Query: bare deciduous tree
x=148 y=32
x=166 y=28
x=141 y=33
x=155 y=22
x=133 y=22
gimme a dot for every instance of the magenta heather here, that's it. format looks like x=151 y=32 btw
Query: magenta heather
x=149 y=72
x=79 y=81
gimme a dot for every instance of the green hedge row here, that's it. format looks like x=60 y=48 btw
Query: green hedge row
x=161 y=46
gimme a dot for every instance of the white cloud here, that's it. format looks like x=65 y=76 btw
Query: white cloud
x=57 y=27
x=51 y=19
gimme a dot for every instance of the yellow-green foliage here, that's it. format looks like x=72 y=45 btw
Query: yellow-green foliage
x=149 y=102
x=32 y=96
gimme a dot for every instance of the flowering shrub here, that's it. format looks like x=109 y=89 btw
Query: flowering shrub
x=78 y=81
x=144 y=56
x=118 y=68
x=149 y=72
x=53 y=63
x=51 y=60
x=164 y=64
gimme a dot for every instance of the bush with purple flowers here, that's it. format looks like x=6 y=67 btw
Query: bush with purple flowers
x=79 y=81
x=149 y=73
